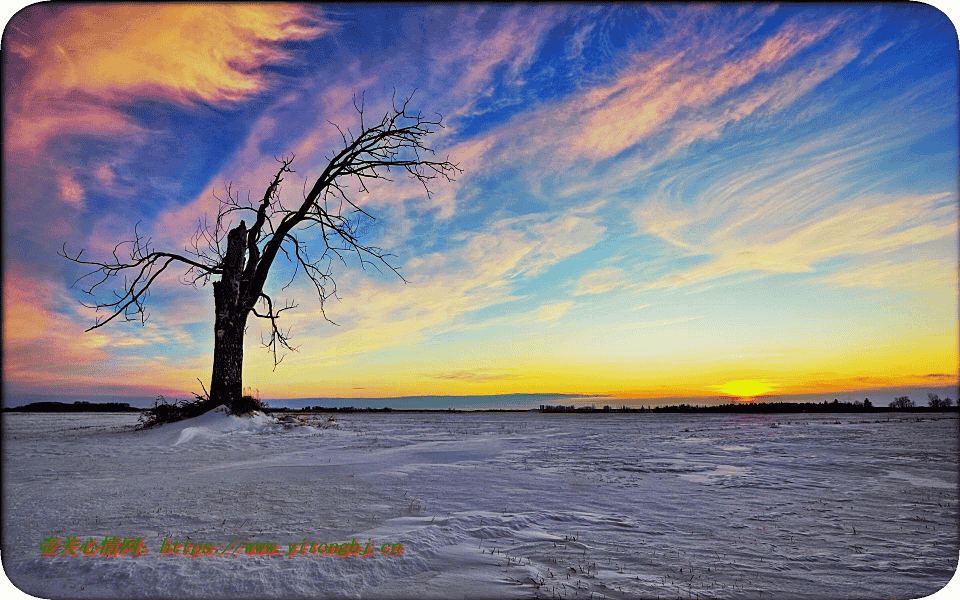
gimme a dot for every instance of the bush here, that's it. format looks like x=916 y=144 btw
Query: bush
x=247 y=405
x=171 y=412
x=178 y=410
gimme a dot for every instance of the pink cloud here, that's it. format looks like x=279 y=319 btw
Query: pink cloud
x=71 y=191
x=470 y=62
x=652 y=92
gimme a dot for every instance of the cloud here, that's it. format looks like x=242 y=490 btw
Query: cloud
x=40 y=343
x=105 y=175
x=659 y=85
x=937 y=375
x=468 y=61
x=560 y=156
x=705 y=73
x=601 y=281
x=477 y=271
x=31 y=128
x=552 y=312
x=768 y=97
x=661 y=322
x=873 y=224
x=183 y=53
x=899 y=382
x=477 y=376
x=764 y=220
x=75 y=65
x=885 y=274
x=70 y=191
x=46 y=345
x=792 y=208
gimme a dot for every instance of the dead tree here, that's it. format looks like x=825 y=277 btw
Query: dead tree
x=242 y=256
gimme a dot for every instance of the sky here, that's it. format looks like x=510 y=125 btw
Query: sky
x=656 y=202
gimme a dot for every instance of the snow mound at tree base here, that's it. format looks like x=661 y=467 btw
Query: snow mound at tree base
x=211 y=425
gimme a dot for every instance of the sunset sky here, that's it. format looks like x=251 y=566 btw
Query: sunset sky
x=656 y=201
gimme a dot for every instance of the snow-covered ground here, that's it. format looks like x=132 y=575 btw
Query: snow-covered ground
x=520 y=505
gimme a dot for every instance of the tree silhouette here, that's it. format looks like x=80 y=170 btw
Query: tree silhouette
x=935 y=401
x=902 y=402
x=243 y=256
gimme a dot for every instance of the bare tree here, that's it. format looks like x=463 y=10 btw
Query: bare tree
x=242 y=256
x=902 y=402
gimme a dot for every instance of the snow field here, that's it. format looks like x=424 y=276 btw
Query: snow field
x=490 y=505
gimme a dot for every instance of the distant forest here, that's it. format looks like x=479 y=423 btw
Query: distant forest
x=903 y=403
x=78 y=406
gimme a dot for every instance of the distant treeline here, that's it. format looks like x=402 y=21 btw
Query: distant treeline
x=900 y=404
x=758 y=407
x=353 y=409
x=78 y=406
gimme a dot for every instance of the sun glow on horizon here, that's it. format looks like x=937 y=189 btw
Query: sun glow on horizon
x=745 y=388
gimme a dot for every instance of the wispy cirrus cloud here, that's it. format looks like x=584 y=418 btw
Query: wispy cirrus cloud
x=789 y=220
x=477 y=375
x=602 y=280
x=650 y=94
x=671 y=95
x=475 y=55
x=478 y=271
x=888 y=274
x=553 y=312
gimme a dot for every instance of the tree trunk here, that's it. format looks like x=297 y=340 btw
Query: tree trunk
x=226 y=384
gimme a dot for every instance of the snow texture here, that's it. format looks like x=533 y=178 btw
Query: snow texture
x=520 y=505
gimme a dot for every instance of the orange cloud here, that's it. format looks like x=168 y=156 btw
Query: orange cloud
x=182 y=52
x=49 y=350
x=78 y=58
x=39 y=343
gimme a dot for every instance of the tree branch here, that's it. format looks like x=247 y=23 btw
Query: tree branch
x=277 y=336
x=145 y=265
x=394 y=143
